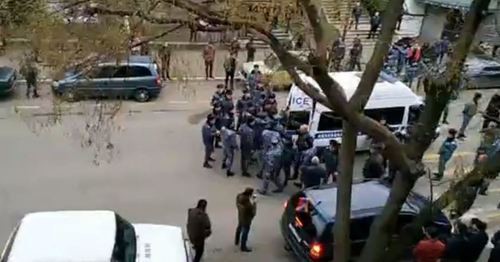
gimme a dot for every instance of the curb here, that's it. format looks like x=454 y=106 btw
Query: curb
x=179 y=44
x=195 y=78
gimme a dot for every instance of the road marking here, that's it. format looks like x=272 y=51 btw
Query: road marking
x=27 y=107
x=178 y=102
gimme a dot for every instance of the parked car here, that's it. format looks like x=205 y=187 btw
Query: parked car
x=492 y=112
x=8 y=77
x=309 y=216
x=136 y=77
x=272 y=68
x=93 y=236
x=482 y=72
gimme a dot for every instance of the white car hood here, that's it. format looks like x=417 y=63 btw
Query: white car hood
x=160 y=243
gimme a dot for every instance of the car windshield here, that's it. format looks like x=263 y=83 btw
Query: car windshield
x=125 y=241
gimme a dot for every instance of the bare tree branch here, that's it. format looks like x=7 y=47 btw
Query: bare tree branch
x=156 y=36
x=374 y=66
x=318 y=30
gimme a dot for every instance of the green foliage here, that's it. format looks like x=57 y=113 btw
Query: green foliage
x=374 y=5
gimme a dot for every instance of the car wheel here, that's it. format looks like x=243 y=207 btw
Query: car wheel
x=69 y=95
x=141 y=95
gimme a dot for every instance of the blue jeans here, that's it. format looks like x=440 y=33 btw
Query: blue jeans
x=465 y=122
x=242 y=235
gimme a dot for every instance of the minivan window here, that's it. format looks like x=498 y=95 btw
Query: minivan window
x=329 y=121
x=296 y=119
x=102 y=72
x=132 y=71
x=393 y=115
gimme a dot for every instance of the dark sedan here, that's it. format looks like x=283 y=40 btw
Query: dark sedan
x=8 y=77
x=482 y=73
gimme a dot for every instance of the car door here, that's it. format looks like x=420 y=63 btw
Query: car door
x=96 y=84
x=118 y=83
x=490 y=77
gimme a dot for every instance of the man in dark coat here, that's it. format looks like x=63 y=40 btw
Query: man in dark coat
x=331 y=159
x=375 y=21
x=199 y=228
x=247 y=208
x=495 y=251
x=313 y=174
x=246 y=144
x=478 y=238
x=304 y=142
x=208 y=133
x=30 y=73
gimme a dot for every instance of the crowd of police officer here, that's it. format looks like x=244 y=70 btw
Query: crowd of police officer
x=263 y=142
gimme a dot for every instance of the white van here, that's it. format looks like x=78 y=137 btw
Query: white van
x=390 y=99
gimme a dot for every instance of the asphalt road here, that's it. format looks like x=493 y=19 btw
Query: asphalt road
x=153 y=173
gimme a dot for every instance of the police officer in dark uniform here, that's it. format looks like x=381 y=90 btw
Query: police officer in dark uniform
x=246 y=144
x=287 y=157
x=218 y=122
x=243 y=105
x=227 y=103
x=303 y=143
x=218 y=96
x=208 y=133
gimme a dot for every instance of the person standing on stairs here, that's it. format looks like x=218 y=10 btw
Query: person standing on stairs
x=356 y=14
x=355 y=54
x=374 y=24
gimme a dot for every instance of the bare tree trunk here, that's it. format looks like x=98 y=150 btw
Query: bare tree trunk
x=342 y=241
x=441 y=88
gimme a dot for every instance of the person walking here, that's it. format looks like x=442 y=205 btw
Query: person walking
x=313 y=174
x=331 y=159
x=374 y=24
x=338 y=55
x=356 y=14
x=230 y=145
x=446 y=152
x=246 y=144
x=247 y=208
x=355 y=54
x=198 y=228
x=470 y=109
x=30 y=72
x=230 y=68
x=208 y=133
x=287 y=156
x=250 y=46
x=165 y=55
x=209 y=57
x=430 y=249
x=303 y=143
x=272 y=158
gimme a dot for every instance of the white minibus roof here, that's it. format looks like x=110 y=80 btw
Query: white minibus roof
x=388 y=91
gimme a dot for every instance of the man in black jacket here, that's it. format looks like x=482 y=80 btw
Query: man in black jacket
x=247 y=208
x=495 y=251
x=313 y=175
x=198 y=228
x=478 y=238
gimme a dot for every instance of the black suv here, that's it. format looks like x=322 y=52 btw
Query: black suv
x=309 y=216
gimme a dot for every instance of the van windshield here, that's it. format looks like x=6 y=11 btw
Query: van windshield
x=125 y=241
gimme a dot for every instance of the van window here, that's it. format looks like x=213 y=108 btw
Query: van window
x=102 y=72
x=125 y=241
x=132 y=71
x=393 y=115
x=296 y=119
x=329 y=121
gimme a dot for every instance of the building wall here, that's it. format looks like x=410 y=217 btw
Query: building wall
x=433 y=24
